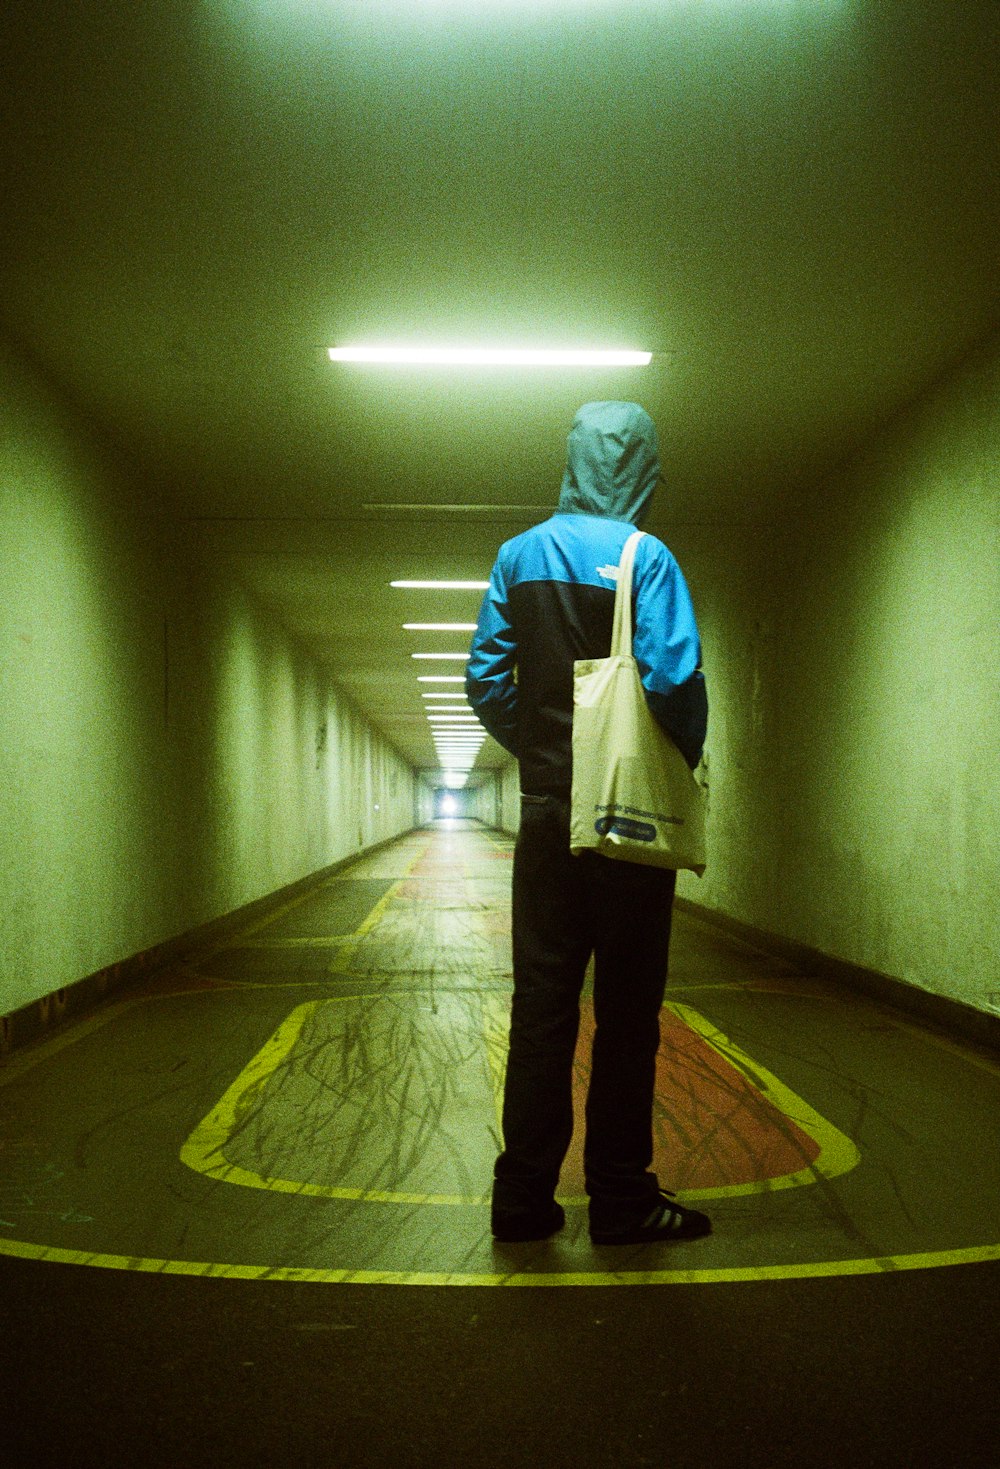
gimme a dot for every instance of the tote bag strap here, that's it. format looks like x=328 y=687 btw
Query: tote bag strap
x=621 y=631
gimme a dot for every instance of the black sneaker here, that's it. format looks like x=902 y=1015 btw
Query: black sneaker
x=517 y=1226
x=667 y=1221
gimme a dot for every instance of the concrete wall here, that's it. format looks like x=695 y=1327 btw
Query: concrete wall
x=510 y=797
x=856 y=706
x=167 y=754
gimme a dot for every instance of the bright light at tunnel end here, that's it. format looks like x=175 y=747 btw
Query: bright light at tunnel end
x=488 y=357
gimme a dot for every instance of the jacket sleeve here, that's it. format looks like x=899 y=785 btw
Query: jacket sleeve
x=490 y=685
x=667 y=650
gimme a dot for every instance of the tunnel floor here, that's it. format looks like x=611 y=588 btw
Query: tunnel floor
x=318 y=1098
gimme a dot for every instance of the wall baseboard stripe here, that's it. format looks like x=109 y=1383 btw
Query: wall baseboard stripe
x=940 y=1012
x=38 y=1019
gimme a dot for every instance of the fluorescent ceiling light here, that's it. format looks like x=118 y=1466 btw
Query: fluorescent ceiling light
x=440 y=678
x=445 y=586
x=439 y=627
x=452 y=656
x=487 y=357
x=441 y=694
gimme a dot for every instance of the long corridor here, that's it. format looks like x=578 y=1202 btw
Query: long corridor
x=311 y=1111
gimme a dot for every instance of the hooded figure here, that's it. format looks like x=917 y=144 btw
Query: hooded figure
x=612 y=462
x=551 y=601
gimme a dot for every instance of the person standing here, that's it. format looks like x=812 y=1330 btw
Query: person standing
x=550 y=602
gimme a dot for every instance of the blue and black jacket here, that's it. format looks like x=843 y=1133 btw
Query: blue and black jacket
x=551 y=601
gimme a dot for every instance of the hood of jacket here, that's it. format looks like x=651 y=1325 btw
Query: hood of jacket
x=612 y=463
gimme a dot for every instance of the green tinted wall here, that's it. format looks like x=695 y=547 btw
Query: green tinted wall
x=167 y=754
x=852 y=654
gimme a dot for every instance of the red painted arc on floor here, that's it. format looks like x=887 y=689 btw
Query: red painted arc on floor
x=712 y=1126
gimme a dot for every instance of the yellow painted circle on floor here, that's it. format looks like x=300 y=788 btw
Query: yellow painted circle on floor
x=887 y=1264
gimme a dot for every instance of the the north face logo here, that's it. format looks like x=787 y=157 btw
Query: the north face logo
x=610 y=573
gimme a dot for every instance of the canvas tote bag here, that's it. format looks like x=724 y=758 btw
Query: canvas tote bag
x=634 y=796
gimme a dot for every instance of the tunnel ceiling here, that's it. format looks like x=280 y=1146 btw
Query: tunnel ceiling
x=793 y=203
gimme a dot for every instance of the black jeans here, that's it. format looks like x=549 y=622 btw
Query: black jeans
x=566 y=908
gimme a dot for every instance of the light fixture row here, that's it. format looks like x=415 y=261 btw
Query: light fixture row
x=456 y=731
